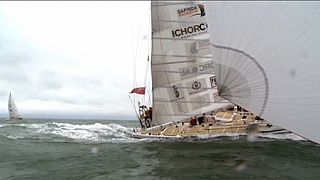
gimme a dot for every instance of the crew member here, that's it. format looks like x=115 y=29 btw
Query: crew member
x=201 y=118
x=193 y=121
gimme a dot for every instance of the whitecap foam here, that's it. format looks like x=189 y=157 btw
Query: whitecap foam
x=101 y=133
x=87 y=132
x=286 y=136
x=14 y=137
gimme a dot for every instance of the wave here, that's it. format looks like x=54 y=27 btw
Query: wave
x=91 y=133
x=102 y=133
x=287 y=136
x=88 y=133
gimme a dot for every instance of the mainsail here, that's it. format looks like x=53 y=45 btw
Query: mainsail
x=267 y=60
x=183 y=79
x=13 y=110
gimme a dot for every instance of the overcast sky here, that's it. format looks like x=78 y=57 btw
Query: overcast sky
x=72 y=59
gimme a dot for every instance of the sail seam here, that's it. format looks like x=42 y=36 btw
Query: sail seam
x=176 y=21
x=170 y=4
x=259 y=66
x=176 y=39
x=179 y=72
x=179 y=101
x=182 y=56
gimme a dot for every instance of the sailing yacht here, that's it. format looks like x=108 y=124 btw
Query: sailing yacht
x=14 y=115
x=187 y=82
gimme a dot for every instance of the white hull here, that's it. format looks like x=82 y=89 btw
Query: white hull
x=199 y=137
x=273 y=130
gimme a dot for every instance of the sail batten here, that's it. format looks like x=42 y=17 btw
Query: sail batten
x=180 y=72
x=177 y=101
x=169 y=39
x=181 y=22
x=182 y=56
x=161 y=4
x=172 y=62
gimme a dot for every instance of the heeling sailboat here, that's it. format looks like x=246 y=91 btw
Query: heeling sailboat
x=14 y=115
x=183 y=77
x=267 y=60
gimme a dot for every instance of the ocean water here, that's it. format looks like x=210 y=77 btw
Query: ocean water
x=88 y=149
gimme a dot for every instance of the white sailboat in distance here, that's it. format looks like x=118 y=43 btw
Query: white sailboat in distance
x=14 y=115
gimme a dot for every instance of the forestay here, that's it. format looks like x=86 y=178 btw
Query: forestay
x=183 y=79
x=268 y=59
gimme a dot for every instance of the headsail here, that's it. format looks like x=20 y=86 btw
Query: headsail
x=13 y=110
x=183 y=79
x=267 y=56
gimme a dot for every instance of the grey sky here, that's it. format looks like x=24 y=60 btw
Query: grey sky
x=72 y=58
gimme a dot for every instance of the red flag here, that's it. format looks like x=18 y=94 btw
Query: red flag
x=139 y=90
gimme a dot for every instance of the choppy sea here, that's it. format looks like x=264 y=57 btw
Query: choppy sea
x=103 y=149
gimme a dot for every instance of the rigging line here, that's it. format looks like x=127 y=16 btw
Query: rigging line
x=134 y=60
x=176 y=21
x=148 y=59
x=186 y=87
x=172 y=62
x=135 y=51
x=193 y=74
x=184 y=56
x=170 y=4
x=149 y=38
x=134 y=64
x=135 y=111
x=146 y=73
x=145 y=78
x=179 y=101
x=149 y=34
x=137 y=44
x=184 y=39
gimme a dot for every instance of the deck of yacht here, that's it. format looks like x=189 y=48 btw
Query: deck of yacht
x=225 y=123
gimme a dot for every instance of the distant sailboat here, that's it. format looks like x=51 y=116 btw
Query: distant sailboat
x=14 y=115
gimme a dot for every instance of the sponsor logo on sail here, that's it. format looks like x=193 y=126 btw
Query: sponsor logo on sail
x=176 y=92
x=192 y=11
x=213 y=81
x=190 y=31
x=198 y=45
x=194 y=70
x=196 y=85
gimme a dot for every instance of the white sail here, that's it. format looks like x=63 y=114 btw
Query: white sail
x=13 y=110
x=183 y=79
x=267 y=56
